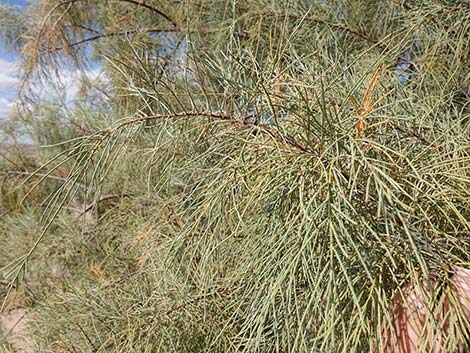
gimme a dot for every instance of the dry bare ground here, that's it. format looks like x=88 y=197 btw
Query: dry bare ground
x=14 y=329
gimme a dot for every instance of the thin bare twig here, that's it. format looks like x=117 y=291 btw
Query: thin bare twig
x=4 y=212
x=10 y=331
x=419 y=137
x=8 y=159
x=87 y=337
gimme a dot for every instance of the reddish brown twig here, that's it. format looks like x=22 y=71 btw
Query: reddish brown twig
x=419 y=137
x=242 y=121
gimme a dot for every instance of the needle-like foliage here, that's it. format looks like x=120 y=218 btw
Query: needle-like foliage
x=286 y=175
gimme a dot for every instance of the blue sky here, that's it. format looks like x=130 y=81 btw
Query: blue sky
x=4 y=51
x=9 y=79
x=8 y=71
x=14 y=2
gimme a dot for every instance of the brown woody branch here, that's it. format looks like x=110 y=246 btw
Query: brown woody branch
x=142 y=4
x=241 y=121
x=70 y=2
x=326 y=23
x=89 y=29
x=135 y=2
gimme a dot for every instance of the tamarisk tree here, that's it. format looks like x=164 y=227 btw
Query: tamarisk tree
x=296 y=173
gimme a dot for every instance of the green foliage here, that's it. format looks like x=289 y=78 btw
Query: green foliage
x=278 y=171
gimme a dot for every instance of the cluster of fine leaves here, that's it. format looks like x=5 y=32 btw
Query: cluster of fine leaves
x=240 y=176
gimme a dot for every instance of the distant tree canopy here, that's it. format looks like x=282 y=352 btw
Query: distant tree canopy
x=296 y=163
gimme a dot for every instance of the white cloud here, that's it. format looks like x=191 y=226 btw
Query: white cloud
x=64 y=87
x=8 y=85
x=71 y=80
x=9 y=78
x=6 y=107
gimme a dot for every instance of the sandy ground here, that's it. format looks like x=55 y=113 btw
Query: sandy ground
x=14 y=329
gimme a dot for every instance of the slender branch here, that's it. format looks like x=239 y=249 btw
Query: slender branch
x=12 y=328
x=135 y=2
x=84 y=28
x=8 y=159
x=113 y=34
x=141 y=3
x=326 y=23
x=419 y=137
x=70 y=2
x=242 y=121
x=87 y=337
x=4 y=212
x=100 y=35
